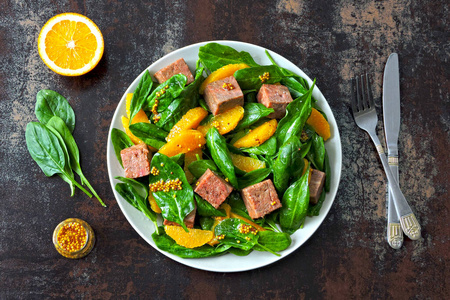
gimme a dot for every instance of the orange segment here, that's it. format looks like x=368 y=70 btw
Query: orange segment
x=258 y=135
x=317 y=121
x=189 y=121
x=246 y=163
x=192 y=239
x=186 y=141
x=70 y=44
x=224 y=122
x=153 y=205
x=221 y=73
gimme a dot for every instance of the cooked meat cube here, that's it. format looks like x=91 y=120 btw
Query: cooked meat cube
x=274 y=96
x=316 y=185
x=213 y=188
x=136 y=160
x=260 y=199
x=188 y=220
x=222 y=95
x=178 y=67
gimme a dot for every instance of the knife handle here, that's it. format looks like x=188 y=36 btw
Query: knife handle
x=394 y=230
x=408 y=220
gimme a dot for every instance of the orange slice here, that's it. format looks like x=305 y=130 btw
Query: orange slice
x=221 y=73
x=317 y=121
x=192 y=239
x=70 y=44
x=258 y=135
x=246 y=163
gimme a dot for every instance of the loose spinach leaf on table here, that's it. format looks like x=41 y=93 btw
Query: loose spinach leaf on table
x=46 y=150
x=289 y=164
x=140 y=94
x=150 y=134
x=175 y=204
x=166 y=243
x=295 y=205
x=166 y=92
x=253 y=112
x=132 y=196
x=253 y=177
x=120 y=141
x=218 y=147
x=297 y=112
x=214 y=56
x=49 y=103
x=72 y=150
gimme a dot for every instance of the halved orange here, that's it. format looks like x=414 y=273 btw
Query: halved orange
x=70 y=44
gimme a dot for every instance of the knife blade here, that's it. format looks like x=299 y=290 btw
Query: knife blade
x=398 y=217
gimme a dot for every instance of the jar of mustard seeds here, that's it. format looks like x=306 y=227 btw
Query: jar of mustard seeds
x=73 y=238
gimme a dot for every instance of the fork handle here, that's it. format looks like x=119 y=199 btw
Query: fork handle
x=408 y=220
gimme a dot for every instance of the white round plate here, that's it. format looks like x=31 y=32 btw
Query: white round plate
x=228 y=262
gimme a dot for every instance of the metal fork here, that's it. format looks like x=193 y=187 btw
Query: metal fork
x=366 y=118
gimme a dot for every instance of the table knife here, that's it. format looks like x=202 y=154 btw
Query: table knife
x=399 y=217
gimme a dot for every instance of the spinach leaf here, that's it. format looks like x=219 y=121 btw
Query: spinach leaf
x=47 y=152
x=253 y=112
x=250 y=78
x=49 y=103
x=175 y=204
x=179 y=159
x=140 y=94
x=236 y=202
x=72 y=151
x=136 y=182
x=305 y=148
x=253 y=177
x=129 y=193
x=295 y=205
x=219 y=152
x=229 y=233
x=239 y=252
x=275 y=241
x=166 y=243
x=166 y=92
x=268 y=148
x=207 y=210
x=297 y=112
x=289 y=164
x=206 y=223
x=120 y=141
x=187 y=99
x=295 y=88
x=198 y=167
x=327 y=170
x=214 y=56
x=317 y=153
x=150 y=134
x=313 y=210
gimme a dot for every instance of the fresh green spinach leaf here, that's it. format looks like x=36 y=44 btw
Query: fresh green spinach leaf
x=253 y=112
x=198 y=167
x=275 y=241
x=49 y=103
x=214 y=56
x=219 y=152
x=166 y=92
x=205 y=209
x=253 y=177
x=250 y=78
x=140 y=94
x=175 y=204
x=289 y=164
x=150 y=134
x=120 y=141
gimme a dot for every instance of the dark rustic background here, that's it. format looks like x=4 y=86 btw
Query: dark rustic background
x=347 y=257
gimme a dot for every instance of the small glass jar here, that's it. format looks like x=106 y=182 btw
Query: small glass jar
x=73 y=238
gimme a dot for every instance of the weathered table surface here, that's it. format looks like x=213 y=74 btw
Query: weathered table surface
x=347 y=257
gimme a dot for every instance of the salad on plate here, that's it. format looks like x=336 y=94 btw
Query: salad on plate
x=227 y=158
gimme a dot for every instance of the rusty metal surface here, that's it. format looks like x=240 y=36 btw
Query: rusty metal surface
x=347 y=258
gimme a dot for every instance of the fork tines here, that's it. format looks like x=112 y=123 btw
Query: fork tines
x=362 y=99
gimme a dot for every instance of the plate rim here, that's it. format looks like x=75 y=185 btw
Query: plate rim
x=191 y=262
